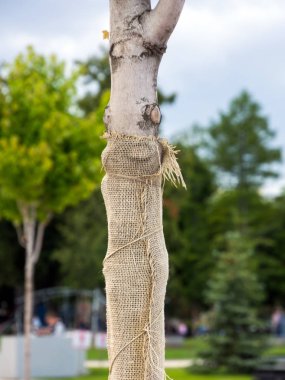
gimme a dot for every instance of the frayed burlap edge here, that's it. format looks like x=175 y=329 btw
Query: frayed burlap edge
x=169 y=167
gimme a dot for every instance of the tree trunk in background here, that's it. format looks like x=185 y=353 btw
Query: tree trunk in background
x=29 y=233
x=32 y=240
x=135 y=160
x=28 y=309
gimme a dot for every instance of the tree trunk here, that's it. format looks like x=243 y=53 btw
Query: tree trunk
x=28 y=295
x=28 y=310
x=135 y=160
x=32 y=241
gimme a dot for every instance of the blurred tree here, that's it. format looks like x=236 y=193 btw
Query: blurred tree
x=97 y=76
x=225 y=216
x=88 y=220
x=9 y=252
x=49 y=157
x=270 y=250
x=235 y=341
x=239 y=144
x=187 y=234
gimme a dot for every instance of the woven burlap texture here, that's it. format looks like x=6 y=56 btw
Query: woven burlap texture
x=136 y=263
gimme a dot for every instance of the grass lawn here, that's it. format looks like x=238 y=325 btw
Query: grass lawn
x=187 y=351
x=176 y=374
x=278 y=350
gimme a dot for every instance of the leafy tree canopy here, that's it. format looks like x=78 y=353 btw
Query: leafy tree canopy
x=49 y=156
x=187 y=233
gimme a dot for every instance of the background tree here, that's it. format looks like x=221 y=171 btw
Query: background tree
x=235 y=341
x=88 y=245
x=187 y=233
x=239 y=148
x=48 y=156
x=270 y=249
x=239 y=144
x=9 y=253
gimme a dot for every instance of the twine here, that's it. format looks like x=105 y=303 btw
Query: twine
x=136 y=263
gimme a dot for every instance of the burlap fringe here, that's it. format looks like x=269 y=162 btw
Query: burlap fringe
x=169 y=167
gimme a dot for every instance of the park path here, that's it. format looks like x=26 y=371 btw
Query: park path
x=177 y=363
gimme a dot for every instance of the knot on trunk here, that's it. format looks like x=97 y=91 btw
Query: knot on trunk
x=151 y=117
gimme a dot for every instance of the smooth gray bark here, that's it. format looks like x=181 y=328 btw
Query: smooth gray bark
x=138 y=38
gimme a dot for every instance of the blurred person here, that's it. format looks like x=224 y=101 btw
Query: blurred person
x=83 y=314
x=36 y=324
x=182 y=329
x=4 y=315
x=40 y=311
x=201 y=325
x=55 y=326
x=282 y=325
x=277 y=321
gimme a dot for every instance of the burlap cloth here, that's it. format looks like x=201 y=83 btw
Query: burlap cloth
x=136 y=263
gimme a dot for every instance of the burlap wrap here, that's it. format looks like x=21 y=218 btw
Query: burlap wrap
x=136 y=263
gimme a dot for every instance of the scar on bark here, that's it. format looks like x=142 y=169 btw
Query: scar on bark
x=115 y=60
x=154 y=49
x=150 y=50
x=107 y=117
x=137 y=19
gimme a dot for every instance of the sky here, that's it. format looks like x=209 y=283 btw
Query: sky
x=219 y=48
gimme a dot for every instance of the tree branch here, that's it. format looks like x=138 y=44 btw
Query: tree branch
x=20 y=235
x=39 y=238
x=123 y=13
x=161 y=21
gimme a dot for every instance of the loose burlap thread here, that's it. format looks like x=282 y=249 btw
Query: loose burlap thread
x=136 y=263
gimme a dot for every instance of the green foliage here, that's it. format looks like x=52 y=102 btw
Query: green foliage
x=9 y=253
x=262 y=221
x=235 y=341
x=270 y=250
x=95 y=72
x=225 y=215
x=89 y=222
x=239 y=144
x=49 y=156
x=187 y=234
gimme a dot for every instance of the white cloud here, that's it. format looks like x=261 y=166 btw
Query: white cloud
x=78 y=35
x=211 y=33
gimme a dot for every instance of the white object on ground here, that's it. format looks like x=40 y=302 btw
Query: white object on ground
x=51 y=357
